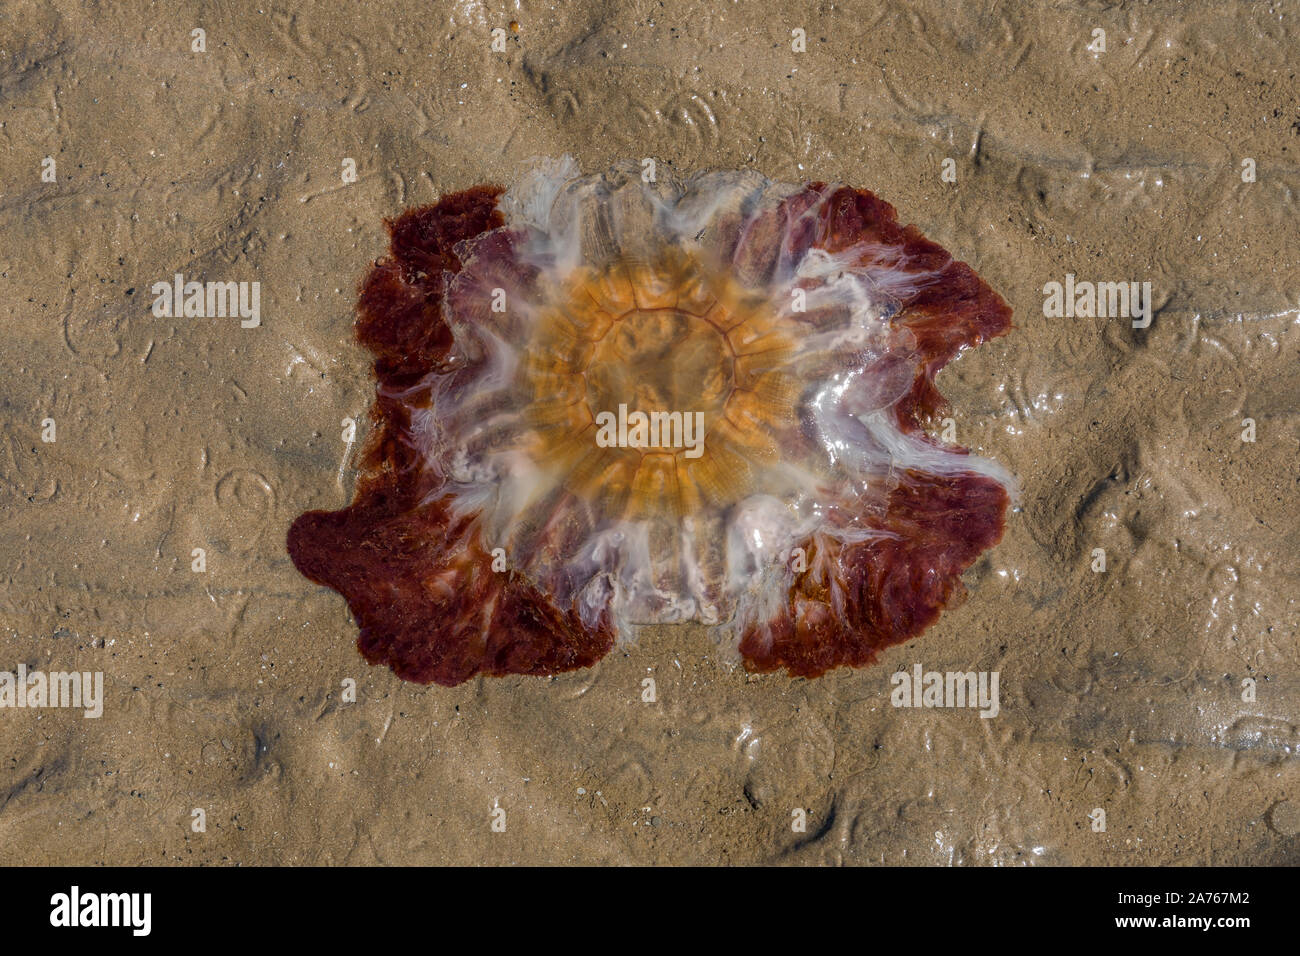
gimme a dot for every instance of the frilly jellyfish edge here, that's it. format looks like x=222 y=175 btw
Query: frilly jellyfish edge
x=512 y=513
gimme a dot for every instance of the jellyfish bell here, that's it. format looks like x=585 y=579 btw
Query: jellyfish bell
x=605 y=403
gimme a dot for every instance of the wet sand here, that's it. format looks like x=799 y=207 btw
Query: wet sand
x=224 y=689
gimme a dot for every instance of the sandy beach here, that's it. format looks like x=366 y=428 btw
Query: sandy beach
x=150 y=466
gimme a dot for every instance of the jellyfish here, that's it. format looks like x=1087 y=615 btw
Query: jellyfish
x=608 y=401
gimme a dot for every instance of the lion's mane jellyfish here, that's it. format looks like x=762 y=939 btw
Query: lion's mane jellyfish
x=605 y=403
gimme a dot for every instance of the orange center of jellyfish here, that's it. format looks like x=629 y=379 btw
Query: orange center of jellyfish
x=701 y=361
x=662 y=360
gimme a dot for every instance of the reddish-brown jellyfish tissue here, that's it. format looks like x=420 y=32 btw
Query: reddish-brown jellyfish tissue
x=605 y=403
